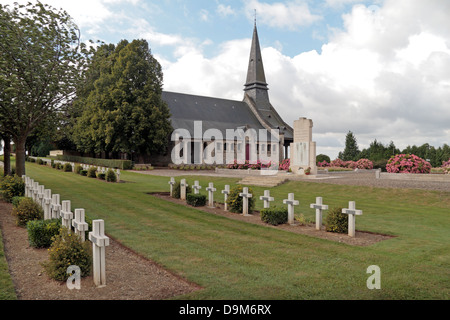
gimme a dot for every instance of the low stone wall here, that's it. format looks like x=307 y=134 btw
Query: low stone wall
x=414 y=176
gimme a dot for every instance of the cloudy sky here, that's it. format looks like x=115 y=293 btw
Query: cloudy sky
x=378 y=68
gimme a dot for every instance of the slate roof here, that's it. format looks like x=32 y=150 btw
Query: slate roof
x=215 y=113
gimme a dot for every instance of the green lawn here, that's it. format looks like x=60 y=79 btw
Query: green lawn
x=235 y=260
x=6 y=286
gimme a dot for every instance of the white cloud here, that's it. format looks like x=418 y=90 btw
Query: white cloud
x=290 y=15
x=225 y=10
x=204 y=15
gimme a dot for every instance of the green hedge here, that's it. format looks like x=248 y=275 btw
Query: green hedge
x=177 y=190
x=336 y=221
x=41 y=232
x=274 y=215
x=11 y=186
x=196 y=200
x=120 y=164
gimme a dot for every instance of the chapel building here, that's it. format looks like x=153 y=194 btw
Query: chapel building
x=193 y=117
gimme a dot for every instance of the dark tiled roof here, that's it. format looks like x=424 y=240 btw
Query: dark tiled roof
x=214 y=113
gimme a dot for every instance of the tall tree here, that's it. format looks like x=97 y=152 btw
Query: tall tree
x=124 y=111
x=351 y=151
x=40 y=64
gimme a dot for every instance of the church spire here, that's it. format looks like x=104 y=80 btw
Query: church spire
x=256 y=85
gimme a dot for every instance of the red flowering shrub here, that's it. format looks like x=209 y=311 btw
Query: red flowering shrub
x=407 y=163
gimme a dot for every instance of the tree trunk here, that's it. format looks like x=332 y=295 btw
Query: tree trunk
x=20 y=156
x=7 y=156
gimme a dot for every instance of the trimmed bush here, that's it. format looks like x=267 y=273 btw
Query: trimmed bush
x=336 y=221
x=196 y=200
x=111 y=176
x=101 y=176
x=16 y=200
x=78 y=169
x=40 y=161
x=121 y=164
x=274 y=215
x=67 y=167
x=27 y=210
x=66 y=250
x=176 y=190
x=41 y=232
x=84 y=173
x=12 y=186
x=235 y=202
x=92 y=172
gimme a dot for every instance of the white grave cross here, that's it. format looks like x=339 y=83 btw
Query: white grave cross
x=211 y=191
x=35 y=191
x=226 y=192
x=245 y=196
x=267 y=198
x=47 y=202
x=183 y=186
x=79 y=224
x=99 y=242
x=291 y=203
x=56 y=206
x=196 y=187
x=40 y=196
x=172 y=183
x=352 y=213
x=66 y=214
x=319 y=206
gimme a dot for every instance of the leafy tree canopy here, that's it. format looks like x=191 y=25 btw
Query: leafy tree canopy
x=120 y=108
x=41 y=62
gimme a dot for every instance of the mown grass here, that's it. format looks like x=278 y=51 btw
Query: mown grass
x=235 y=260
x=7 y=291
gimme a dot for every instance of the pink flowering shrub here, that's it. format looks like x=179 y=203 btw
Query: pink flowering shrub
x=446 y=166
x=446 y=163
x=323 y=164
x=285 y=164
x=364 y=164
x=407 y=163
x=337 y=163
x=259 y=165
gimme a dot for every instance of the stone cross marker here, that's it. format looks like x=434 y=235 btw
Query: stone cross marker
x=226 y=192
x=66 y=214
x=47 y=202
x=183 y=186
x=267 y=198
x=79 y=224
x=245 y=196
x=40 y=198
x=352 y=213
x=211 y=191
x=291 y=203
x=35 y=191
x=27 y=186
x=99 y=242
x=319 y=206
x=56 y=207
x=172 y=183
x=196 y=187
